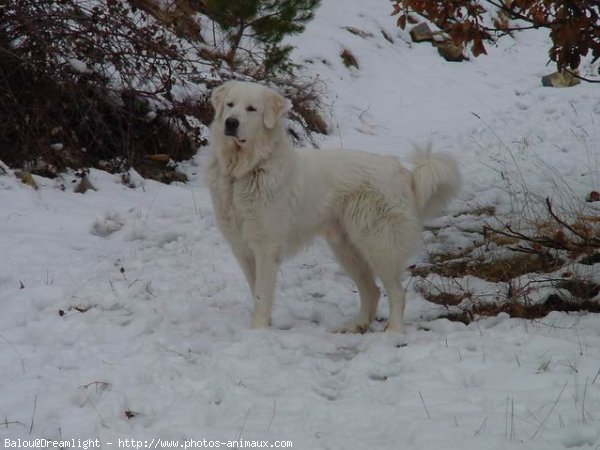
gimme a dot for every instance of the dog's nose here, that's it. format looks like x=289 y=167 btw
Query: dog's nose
x=231 y=125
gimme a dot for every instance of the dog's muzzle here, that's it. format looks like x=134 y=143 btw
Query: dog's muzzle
x=231 y=126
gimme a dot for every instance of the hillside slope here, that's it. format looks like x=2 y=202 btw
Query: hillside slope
x=124 y=315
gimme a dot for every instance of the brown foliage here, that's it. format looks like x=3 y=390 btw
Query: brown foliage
x=544 y=253
x=574 y=24
x=554 y=302
x=498 y=270
x=178 y=15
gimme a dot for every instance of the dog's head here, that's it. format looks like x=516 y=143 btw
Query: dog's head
x=246 y=111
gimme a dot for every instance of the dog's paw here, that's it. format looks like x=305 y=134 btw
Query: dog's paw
x=260 y=322
x=394 y=328
x=354 y=326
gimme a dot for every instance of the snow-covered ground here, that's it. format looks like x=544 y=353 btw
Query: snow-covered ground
x=123 y=314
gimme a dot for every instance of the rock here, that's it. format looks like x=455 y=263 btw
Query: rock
x=84 y=185
x=450 y=52
x=593 y=196
x=560 y=79
x=421 y=33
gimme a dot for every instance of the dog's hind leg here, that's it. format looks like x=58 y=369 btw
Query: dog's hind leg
x=397 y=301
x=386 y=249
x=388 y=264
x=357 y=268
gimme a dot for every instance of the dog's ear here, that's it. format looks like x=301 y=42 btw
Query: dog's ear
x=217 y=98
x=275 y=108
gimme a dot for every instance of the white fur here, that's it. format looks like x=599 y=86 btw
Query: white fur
x=270 y=200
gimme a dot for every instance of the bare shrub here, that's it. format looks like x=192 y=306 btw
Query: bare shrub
x=540 y=263
x=82 y=83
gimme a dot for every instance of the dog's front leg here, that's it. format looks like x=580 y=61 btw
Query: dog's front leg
x=245 y=259
x=267 y=266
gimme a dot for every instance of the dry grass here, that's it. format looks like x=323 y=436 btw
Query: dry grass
x=583 y=289
x=445 y=298
x=314 y=120
x=521 y=261
x=481 y=211
x=514 y=309
x=307 y=95
x=498 y=270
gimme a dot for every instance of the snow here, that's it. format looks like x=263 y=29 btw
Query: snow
x=127 y=300
x=78 y=65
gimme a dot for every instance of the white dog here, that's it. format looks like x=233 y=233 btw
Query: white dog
x=270 y=200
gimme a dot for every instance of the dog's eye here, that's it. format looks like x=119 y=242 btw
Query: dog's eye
x=230 y=105
x=250 y=108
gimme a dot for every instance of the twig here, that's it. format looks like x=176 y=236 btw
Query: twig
x=506 y=419
x=360 y=116
x=551 y=409
x=424 y=405
x=195 y=204
x=273 y=416
x=593 y=240
x=508 y=149
x=512 y=418
x=33 y=414
x=16 y=351
x=241 y=430
x=544 y=241
x=576 y=75
x=183 y=355
x=100 y=385
x=481 y=427
x=102 y=422
x=6 y=423
x=583 y=401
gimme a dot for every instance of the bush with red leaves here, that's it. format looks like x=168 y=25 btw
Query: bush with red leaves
x=574 y=24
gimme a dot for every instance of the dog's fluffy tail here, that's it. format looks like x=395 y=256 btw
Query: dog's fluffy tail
x=435 y=180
